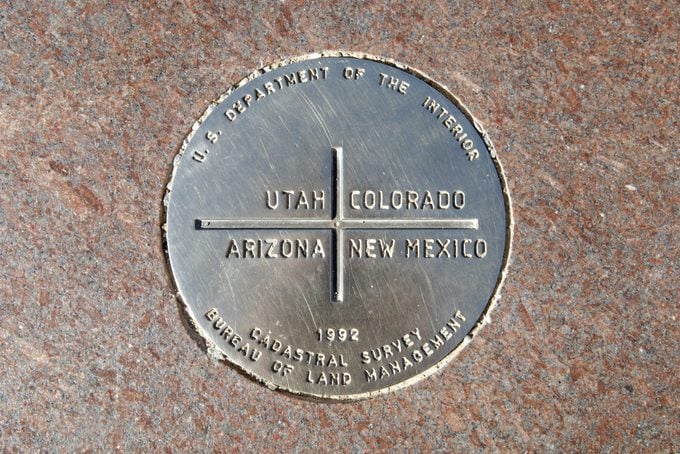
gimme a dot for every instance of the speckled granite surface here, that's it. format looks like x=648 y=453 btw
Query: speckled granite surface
x=581 y=100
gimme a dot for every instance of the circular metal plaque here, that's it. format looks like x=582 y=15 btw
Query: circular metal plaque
x=337 y=225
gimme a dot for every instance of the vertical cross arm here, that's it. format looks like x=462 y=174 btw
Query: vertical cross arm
x=338 y=272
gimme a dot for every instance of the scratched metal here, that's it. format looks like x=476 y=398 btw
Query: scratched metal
x=337 y=226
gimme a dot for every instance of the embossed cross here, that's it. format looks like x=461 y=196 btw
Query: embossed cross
x=337 y=225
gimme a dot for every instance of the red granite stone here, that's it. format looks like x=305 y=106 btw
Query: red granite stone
x=581 y=100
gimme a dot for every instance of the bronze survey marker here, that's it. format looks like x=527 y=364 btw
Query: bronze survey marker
x=337 y=226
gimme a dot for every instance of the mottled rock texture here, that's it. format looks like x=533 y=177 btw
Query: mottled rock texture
x=581 y=100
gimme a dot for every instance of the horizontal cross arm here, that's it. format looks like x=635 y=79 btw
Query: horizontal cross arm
x=348 y=224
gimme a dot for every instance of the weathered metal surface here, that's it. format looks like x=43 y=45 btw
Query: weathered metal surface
x=337 y=226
